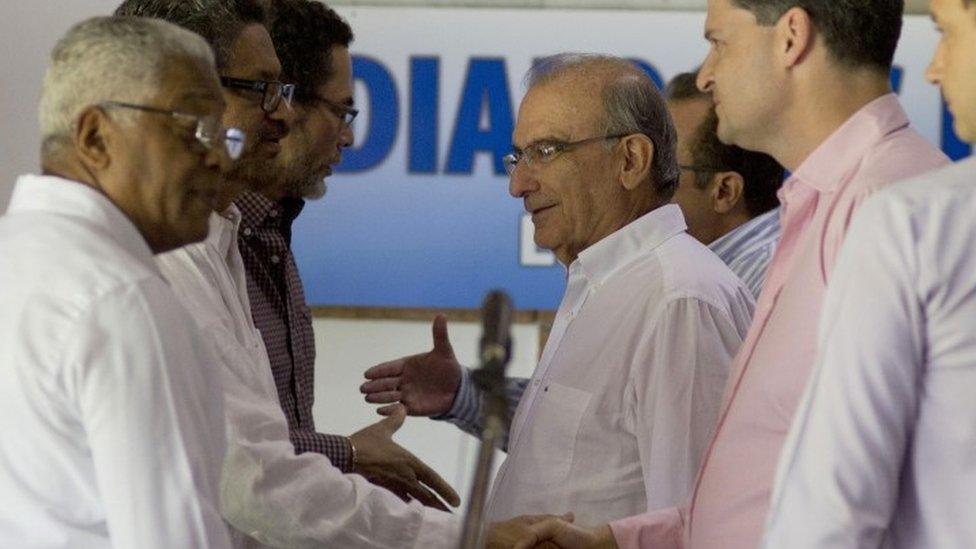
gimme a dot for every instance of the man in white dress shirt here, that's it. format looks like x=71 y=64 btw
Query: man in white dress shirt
x=109 y=398
x=882 y=452
x=619 y=410
x=268 y=493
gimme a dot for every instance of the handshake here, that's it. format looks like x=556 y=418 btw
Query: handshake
x=425 y=385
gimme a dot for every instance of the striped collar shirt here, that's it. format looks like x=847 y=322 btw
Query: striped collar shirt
x=748 y=248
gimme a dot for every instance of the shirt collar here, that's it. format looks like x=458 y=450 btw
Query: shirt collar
x=223 y=230
x=57 y=195
x=257 y=210
x=739 y=240
x=826 y=168
x=642 y=235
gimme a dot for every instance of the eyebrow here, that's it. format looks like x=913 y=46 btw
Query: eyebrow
x=546 y=139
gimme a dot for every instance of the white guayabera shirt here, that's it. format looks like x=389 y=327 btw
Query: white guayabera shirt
x=619 y=410
x=108 y=398
x=268 y=492
x=882 y=452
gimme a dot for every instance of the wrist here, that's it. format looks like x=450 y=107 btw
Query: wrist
x=352 y=454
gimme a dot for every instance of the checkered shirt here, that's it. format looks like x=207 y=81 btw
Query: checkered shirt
x=280 y=313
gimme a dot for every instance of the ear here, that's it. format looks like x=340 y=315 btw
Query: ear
x=795 y=36
x=638 y=156
x=93 y=133
x=726 y=191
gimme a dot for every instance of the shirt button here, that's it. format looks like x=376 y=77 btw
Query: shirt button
x=247 y=231
x=275 y=259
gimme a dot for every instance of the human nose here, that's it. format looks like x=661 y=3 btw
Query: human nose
x=346 y=136
x=218 y=158
x=521 y=181
x=706 y=74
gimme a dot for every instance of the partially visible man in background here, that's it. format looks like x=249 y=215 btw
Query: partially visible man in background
x=268 y=493
x=727 y=194
x=312 y=42
x=109 y=402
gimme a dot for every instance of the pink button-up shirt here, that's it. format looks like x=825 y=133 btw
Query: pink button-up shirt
x=874 y=148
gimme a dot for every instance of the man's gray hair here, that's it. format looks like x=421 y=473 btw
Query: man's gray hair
x=110 y=59
x=632 y=105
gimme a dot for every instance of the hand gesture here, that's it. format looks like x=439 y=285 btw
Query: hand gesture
x=424 y=383
x=504 y=535
x=387 y=464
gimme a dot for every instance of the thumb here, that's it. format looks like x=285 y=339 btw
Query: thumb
x=397 y=415
x=441 y=342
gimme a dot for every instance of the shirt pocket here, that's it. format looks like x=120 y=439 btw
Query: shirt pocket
x=549 y=440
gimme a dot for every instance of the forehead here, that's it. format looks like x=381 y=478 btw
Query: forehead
x=723 y=15
x=339 y=86
x=252 y=55
x=566 y=108
x=688 y=114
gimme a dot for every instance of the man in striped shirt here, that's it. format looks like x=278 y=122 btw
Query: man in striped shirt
x=727 y=194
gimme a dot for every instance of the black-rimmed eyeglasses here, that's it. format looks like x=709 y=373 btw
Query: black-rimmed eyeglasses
x=345 y=113
x=543 y=152
x=208 y=130
x=273 y=92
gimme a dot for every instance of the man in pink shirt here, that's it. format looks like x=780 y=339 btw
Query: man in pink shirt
x=809 y=86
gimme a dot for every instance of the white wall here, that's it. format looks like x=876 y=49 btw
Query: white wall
x=347 y=347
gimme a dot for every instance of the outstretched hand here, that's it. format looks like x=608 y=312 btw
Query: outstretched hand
x=387 y=464
x=425 y=383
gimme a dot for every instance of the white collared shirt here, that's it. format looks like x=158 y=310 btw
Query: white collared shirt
x=620 y=407
x=108 y=399
x=267 y=492
x=882 y=452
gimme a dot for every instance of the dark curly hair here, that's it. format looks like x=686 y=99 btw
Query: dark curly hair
x=304 y=33
x=219 y=22
x=761 y=174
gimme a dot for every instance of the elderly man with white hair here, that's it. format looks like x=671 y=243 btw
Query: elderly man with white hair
x=109 y=402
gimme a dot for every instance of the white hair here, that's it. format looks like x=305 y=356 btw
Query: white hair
x=631 y=102
x=110 y=59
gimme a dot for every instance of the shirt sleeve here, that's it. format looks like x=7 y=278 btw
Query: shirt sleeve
x=286 y=499
x=678 y=375
x=150 y=405
x=658 y=529
x=838 y=477
x=466 y=410
x=335 y=447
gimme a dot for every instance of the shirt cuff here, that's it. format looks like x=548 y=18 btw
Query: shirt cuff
x=438 y=530
x=335 y=447
x=467 y=401
x=660 y=529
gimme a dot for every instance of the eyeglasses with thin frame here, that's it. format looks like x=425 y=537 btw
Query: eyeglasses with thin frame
x=543 y=152
x=701 y=169
x=345 y=113
x=273 y=92
x=208 y=130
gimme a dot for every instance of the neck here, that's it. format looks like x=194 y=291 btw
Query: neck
x=725 y=225
x=633 y=212
x=818 y=110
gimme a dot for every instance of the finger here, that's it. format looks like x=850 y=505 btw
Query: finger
x=395 y=419
x=380 y=385
x=402 y=486
x=441 y=342
x=538 y=533
x=392 y=368
x=387 y=410
x=430 y=477
x=384 y=398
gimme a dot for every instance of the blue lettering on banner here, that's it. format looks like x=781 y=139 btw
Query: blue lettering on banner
x=485 y=92
x=384 y=117
x=425 y=78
